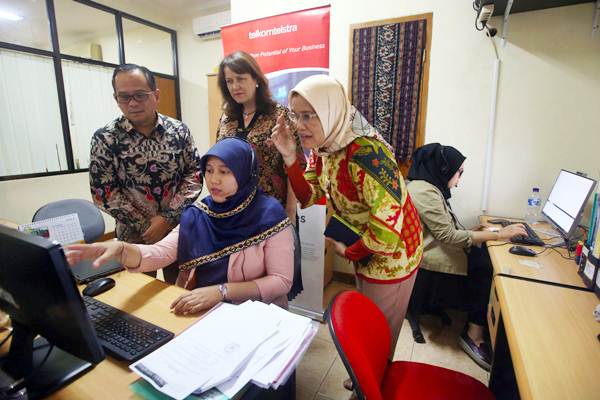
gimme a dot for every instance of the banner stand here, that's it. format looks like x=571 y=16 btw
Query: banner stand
x=290 y=47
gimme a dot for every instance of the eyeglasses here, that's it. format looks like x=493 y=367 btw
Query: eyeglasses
x=460 y=171
x=140 y=97
x=303 y=117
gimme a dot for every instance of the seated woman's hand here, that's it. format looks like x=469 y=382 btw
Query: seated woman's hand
x=511 y=231
x=99 y=252
x=197 y=300
x=478 y=227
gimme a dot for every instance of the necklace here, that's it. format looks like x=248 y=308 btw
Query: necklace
x=247 y=114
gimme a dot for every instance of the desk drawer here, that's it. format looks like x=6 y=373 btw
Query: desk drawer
x=493 y=316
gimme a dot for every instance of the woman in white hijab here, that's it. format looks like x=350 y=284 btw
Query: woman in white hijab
x=354 y=166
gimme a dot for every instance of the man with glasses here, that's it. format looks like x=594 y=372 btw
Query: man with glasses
x=144 y=166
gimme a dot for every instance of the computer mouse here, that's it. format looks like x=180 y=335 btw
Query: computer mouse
x=522 y=251
x=98 y=286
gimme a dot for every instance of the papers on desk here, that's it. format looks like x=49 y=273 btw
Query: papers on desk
x=228 y=348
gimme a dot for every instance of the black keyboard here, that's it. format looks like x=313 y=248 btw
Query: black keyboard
x=532 y=238
x=123 y=335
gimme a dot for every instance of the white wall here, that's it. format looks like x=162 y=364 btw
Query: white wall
x=549 y=91
x=197 y=58
x=19 y=199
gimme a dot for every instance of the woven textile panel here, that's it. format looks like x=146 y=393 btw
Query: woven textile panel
x=387 y=63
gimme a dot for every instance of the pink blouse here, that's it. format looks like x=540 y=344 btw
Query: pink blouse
x=269 y=264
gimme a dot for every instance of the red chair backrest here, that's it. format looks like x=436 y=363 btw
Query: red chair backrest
x=362 y=337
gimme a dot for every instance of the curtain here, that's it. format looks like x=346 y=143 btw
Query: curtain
x=387 y=63
x=31 y=138
x=90 y=105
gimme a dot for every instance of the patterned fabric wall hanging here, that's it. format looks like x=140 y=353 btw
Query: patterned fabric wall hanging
x=387 y=65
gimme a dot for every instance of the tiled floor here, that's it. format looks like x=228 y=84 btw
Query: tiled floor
x=321 y=372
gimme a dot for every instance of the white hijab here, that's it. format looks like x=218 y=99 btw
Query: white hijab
x=328 y=98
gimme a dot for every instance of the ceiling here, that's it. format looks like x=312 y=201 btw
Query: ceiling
x=77 y=22
x=531 y=5
x=179 y=8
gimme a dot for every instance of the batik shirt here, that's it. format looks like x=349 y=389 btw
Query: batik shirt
x=134 y=177
x=365 y=187
x=273 y=177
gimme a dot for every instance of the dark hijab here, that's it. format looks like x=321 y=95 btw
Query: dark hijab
x=209 y=231
x=436 y=164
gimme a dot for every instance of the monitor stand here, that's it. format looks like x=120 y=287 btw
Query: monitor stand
x=25 y=357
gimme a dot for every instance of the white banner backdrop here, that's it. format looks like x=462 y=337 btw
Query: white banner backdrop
x=311 y=222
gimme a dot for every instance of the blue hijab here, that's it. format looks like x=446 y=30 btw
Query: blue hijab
x=209 y=231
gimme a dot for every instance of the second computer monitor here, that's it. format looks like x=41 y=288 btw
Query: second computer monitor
x=567 y=200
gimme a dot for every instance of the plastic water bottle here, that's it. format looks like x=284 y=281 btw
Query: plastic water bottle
x=533 y=206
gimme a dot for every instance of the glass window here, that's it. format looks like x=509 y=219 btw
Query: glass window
x=148 y=46
x=31 y=139
x=25 y=22
x=90 y=105
x=87 y=32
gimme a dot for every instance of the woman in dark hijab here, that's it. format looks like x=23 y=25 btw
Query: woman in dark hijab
x=450 y=250
x=236 y=244
x=437 y=165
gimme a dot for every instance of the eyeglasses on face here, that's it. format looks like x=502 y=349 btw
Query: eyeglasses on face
x=138 y=96
x=460 y=171
x=303 y=117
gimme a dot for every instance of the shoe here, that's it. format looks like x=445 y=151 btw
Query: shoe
x=481 y=354
x=348 y=384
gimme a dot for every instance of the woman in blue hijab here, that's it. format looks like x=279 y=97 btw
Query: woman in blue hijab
x=236 y=244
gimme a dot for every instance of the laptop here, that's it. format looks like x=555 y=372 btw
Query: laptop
x=84 y=272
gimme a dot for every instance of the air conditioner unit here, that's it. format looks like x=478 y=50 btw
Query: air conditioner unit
x=209 y=26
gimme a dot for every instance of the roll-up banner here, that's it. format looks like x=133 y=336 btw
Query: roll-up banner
x=289 y=47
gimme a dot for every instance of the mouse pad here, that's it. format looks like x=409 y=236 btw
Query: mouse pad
x=84 y=272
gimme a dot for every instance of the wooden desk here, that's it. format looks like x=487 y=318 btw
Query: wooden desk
x=551 y=334
x=144 y=297
x=548 y=267
x=9 y=223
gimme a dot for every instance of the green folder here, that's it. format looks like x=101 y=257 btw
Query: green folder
x=149 y=392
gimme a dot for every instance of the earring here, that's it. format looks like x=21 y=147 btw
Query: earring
x=257 y=85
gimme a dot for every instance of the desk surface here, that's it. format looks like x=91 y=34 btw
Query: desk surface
x=551 y=333
x=144 y=297
x=546 y=267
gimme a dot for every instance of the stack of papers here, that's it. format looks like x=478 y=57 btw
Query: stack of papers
x=228 y=348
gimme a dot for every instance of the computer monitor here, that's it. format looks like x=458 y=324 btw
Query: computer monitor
x=39 y=293
x=567 y=200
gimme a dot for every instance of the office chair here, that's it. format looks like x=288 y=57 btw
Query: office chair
x=90 y=218
x=362 y=338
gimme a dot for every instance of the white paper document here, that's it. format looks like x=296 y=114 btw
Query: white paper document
x=267 y=356
x=228 y=348
x=206 y=354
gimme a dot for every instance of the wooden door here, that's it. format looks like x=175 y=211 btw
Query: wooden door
x=215 y=106
x=167 y=104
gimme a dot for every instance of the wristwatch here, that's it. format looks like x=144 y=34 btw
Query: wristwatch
x=223 y=290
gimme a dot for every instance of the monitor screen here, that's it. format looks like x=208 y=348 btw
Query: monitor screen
x=39 y=293
x=567 y=200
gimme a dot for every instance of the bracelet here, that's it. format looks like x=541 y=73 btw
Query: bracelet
x=123 y=254
x=223 y=290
